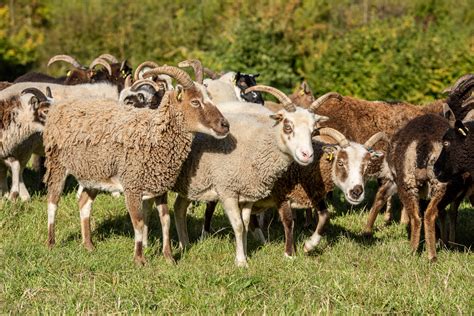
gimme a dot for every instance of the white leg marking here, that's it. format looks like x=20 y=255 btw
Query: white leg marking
x=51 y=212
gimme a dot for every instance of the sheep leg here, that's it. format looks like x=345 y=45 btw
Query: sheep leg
x=388 y=216
x=383 y=195
x=180 y=210
x=308 y=220
x=404 y=217
x=429 y=222
x=85 y=206
x=210 y=209
x=24 y=194
x=3 y=180
x=79 y=191
x=232 y=210
x=134 y=205
x=443 y=224
x=453 y=217
x=412 y=207
x=56 y=180
x=313 y=241
x=147 y=206
x=255 y=228
x=246 y=214
x=162 y=205
x=15 y=171
x=286 y=216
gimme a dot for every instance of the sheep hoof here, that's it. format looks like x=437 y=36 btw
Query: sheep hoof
x=50 y=244
x=289 y=256
x=242 y=264
x=116 y=194
x=367 y=233
x=432 y=259
x=169 y=259
x=139 y=261
x=89 y=246
x=13 y=196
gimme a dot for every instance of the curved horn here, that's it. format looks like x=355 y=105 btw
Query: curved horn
x=65 y=58
x=36 y=92
x=374 y=139
x=283 y=98
x=196 y=65
x=180 y=75
x=109 y=57
x=319 y=101
x=137 y=84
x=149 y=64
x=103 y=62
x=335 y=134
x=128 y=81
x=461 y=83
x=211 y=74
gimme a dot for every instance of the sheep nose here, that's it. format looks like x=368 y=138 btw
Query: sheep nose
x=306 y=154
x=357 y=191
x=224 y=124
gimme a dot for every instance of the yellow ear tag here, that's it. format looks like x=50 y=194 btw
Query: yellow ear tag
x=68 y=73
x=301 y=92
x=330 y=156
x=463 y=133
x=180 y=95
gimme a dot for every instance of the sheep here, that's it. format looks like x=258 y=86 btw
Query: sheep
x=142 y=93
x=164 y=81
x=22 y=119
x=344 y=165
x=135 y=151
x=268 y=141
x=230 y=86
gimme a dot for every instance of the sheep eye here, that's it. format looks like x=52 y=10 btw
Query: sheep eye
x=446 y=143
x=195 y=103
x=287 y=128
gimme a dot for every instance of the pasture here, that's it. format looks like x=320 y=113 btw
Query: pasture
x=346 y=274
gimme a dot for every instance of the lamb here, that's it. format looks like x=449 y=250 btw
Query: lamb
x=22 y=119
x=135 y=151
x=345 y=165
x=268 y=141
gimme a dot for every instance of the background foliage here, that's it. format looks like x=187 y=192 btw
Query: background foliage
x=375 y=49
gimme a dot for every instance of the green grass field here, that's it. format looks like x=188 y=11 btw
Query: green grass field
x=346 y=274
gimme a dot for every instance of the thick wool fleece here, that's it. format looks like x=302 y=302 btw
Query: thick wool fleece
x=100 y=143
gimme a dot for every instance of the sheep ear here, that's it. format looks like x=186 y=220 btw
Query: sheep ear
x=375 y=155
x=179 y=93
x=449 y=115
x=278 y=117
x=461 y=129
x=34 y=102
x=330 y=151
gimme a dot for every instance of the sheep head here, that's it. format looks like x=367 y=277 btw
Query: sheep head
x=38 y=102
x=143 y=93
x=191 y=99
x=243 y=81
x=303 y=95
x=351 y=162
x=294 y=125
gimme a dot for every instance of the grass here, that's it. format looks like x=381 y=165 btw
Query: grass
x=346 y=274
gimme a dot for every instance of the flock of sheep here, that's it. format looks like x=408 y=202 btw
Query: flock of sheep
x=155 y=130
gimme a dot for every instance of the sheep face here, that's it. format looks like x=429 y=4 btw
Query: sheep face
x=78 y=76
x=200 y=113
x=350 y=169
x=303 y=96
x=453 y=156
x=295 y=130
x=242 y=82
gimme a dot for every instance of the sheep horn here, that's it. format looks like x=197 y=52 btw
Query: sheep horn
x=211 y=73
x=461 y=83
x=335 y=134
x=149 y=64
x=283 y=98
x=109 y=57
x=322 y=99
x=128 y=81
x=374 y=139
x=103 y=62
x=196 y=65
x=180 y=75
x=36 y=92
x=137 y=84
x=65 y=58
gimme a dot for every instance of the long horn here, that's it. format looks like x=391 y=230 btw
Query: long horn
x=283 y=98
x=48 y=92
x=335 y=134
x=36 y=92
x=180 y=75
x=65 y=58
x=461 y=83
x=197 y=67
x=142 y=82
x=109 y=57
x=211 y=74
x=320 y=101
x=149 y=64
x=103 y=62
x=374 y=139
x=128 y=81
